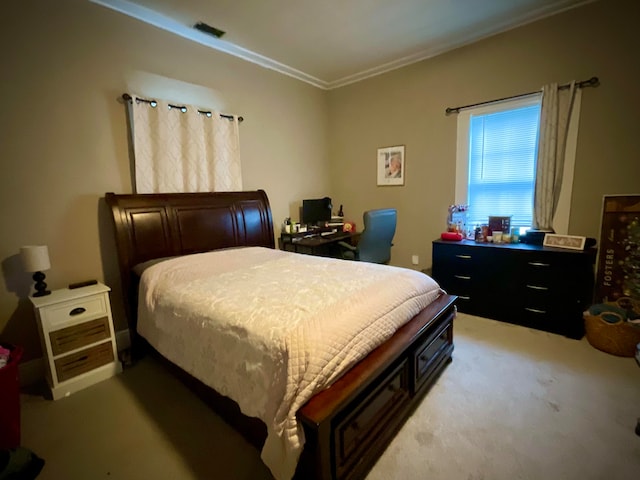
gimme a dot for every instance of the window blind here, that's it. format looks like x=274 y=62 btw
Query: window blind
x=503 y=148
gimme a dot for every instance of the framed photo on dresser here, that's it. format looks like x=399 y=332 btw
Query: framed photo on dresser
x=572 y=242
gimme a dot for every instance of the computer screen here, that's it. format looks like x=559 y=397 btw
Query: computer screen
x=316 y=211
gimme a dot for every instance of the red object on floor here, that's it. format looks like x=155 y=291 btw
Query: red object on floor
x=10 y=400
x=452 y=236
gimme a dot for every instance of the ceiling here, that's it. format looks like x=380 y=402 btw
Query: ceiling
x=330 y=43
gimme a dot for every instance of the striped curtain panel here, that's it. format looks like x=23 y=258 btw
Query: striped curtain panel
x=179 y=149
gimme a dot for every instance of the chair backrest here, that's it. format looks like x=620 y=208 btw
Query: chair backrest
x=374 y=244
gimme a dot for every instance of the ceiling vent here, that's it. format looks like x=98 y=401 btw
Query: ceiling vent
x=203 y=27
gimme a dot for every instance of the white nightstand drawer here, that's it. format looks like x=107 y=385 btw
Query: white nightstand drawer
x=72 y=338
x=75 y=311
x=83 y=361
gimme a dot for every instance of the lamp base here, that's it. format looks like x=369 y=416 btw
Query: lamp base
x=40 y=286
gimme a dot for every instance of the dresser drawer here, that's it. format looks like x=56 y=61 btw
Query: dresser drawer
x=455 y=258
x=362 y=427
x=465 y=271
x=553 y=271
x=469 y=293
x=75 y=311
x=459 y=284
x=76 y=336
x=83 y=361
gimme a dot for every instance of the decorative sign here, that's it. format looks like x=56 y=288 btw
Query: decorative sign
x=619 y=250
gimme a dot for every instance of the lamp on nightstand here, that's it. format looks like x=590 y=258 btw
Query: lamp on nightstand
x=35 y=258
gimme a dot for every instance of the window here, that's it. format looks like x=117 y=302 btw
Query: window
x=497 y=150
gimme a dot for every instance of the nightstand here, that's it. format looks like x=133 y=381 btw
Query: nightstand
x=77 y=336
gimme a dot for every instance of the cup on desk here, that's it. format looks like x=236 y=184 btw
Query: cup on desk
x=497 y=237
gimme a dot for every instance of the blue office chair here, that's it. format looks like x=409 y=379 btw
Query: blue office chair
x=375 y=240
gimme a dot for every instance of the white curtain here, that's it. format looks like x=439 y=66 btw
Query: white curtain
x=557 y=108
x=182 y=150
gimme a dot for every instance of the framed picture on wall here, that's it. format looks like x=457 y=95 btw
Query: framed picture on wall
x=391 y=165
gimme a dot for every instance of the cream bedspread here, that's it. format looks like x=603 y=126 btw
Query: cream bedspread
x=269 y=329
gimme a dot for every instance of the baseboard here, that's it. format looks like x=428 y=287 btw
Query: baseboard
x=33 y=371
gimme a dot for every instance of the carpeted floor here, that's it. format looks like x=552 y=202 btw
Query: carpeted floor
x=515 y=403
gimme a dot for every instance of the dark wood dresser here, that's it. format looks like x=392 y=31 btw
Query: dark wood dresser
x=538 y=287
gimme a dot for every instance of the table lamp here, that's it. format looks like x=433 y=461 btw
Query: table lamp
x=35 y=258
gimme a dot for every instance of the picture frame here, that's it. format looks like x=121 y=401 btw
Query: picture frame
x=391 y=165
x=572 y=242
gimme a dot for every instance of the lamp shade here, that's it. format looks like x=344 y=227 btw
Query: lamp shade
x=35 y=258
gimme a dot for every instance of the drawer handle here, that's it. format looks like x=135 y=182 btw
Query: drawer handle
x=463 y=277
x=536 y=287
x=77 y=311
x=462 y=297
x=465 y=257
x=535 y=310
x=539 y=264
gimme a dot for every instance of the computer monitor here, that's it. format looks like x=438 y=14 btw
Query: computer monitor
x=316 y=211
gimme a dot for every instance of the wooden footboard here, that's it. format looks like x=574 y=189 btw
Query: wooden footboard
x=350 y=424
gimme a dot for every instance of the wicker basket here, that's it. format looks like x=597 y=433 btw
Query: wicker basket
x=618 y=338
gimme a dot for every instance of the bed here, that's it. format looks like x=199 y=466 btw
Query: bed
x=347 y=417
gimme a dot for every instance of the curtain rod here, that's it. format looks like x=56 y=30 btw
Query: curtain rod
x=128 y=98
x=592 y=82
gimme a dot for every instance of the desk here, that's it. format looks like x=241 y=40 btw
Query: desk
x=319 y=245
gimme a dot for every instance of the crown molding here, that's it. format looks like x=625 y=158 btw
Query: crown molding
x=187 y=31
x=472 y=37
x=168 y=24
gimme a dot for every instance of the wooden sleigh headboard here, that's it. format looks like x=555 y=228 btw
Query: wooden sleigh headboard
x=150 y=226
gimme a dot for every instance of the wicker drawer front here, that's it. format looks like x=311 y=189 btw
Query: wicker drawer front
x=76 y=311
x=76 y=363
x=71 y=338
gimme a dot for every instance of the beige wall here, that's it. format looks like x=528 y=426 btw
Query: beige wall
x=63 y=138
x=407 y=107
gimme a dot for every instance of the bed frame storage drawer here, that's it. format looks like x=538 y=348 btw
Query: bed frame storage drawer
x=375 y=398
x=370 y=419
x=83 y=361
x=428 y=355
x=77 y=336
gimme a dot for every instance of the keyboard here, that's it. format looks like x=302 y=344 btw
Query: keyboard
x=330 y=234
